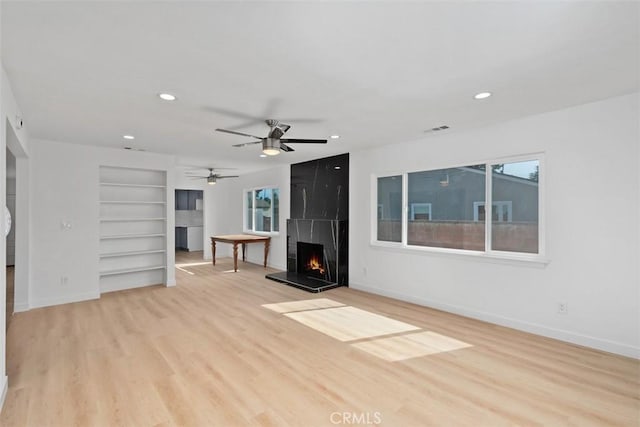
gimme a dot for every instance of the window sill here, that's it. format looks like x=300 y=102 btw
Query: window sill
x=262 y=233
x=527 y=260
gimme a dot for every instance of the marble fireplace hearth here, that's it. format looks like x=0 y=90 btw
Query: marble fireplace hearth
x=316 y=255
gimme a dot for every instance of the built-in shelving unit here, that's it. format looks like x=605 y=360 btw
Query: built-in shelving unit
x=133 y=230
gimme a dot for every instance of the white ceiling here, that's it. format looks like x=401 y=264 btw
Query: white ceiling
x=375 y=73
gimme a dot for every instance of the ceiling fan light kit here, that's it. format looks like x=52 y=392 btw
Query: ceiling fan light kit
x=271 y=147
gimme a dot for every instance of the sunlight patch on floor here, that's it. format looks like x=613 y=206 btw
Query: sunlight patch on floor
x=409 y=346
x=193 y=264
x=346 y=323
x=302 y=305
x=350 y=323
x=186 y=271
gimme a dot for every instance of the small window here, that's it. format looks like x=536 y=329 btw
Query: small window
x=420 y=211
x=390 y=209
x=502 y=211
x=262 y=210
x=514 y=225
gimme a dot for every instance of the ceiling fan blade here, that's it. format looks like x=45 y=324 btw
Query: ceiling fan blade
x=233 y=132
x=246 y=143
x=304 y=141
x=227 y=176
x=199 y=177
x=276 y=133
x=285 y=147
x=206 y=168
x=302 y=120
x=232 y=113
x=284 y=127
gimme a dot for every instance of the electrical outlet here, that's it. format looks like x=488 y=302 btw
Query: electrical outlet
x=64 y=280
x=364 y=271
x=563 y=308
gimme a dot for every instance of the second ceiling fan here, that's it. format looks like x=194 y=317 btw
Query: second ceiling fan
x=273 y=142
x=212 y=178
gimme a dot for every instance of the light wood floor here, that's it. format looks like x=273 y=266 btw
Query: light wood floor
x=206 y=353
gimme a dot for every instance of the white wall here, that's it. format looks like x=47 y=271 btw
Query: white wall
x=223 y=213
x=64 y=188
x=19 y=146
x=17 y=140
x=592 y=214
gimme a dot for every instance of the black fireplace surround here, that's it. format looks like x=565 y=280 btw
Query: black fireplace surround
x=317 y=232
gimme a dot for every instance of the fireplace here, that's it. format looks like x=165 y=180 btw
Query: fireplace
x=310 y=261
x=317 y=230
x=317 y=255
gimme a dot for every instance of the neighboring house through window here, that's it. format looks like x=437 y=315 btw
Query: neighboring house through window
x=447 y=208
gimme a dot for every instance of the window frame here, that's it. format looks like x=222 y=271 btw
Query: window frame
x=245 y=213
x=488 y=253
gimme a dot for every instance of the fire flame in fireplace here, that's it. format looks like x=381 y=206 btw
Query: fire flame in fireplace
x=315 y=264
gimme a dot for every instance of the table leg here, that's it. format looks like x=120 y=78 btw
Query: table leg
x=235 y=256
x=244 y=245
x=266 y=251
x=213 y=251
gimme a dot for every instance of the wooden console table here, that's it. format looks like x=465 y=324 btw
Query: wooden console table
x=243 y=239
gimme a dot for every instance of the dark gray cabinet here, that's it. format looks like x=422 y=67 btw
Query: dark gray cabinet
x=186 y=199
x=181 y=238
x=182 y=200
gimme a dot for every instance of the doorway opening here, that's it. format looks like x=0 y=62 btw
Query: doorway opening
x=189 y=228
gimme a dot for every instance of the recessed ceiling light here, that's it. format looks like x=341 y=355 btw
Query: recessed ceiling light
x=129 y=137
x=263 y=155
x=167 y=97
x=335 y=136
x=482 y=95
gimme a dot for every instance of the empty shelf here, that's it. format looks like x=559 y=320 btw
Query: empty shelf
x=131 y=270
x=119 y=254
x=131 y=236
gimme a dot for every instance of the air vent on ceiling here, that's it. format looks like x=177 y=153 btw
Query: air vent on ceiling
x=437 y=129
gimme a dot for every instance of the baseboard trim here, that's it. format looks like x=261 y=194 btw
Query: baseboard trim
x=66 y=299
x=534 y=328
x=23 y=306
x=5 y=389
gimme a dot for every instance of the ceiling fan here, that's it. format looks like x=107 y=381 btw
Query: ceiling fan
x=212 y=178
x=272 y=143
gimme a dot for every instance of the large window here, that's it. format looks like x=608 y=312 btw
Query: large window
x=262 y=210
x=463 y=207
x=449 y=193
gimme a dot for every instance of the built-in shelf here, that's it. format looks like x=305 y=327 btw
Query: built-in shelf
x=117 y=184
x=130 y=253
x=130 y=219
x=129 y=202
x=131 y=270
x=131 y=236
